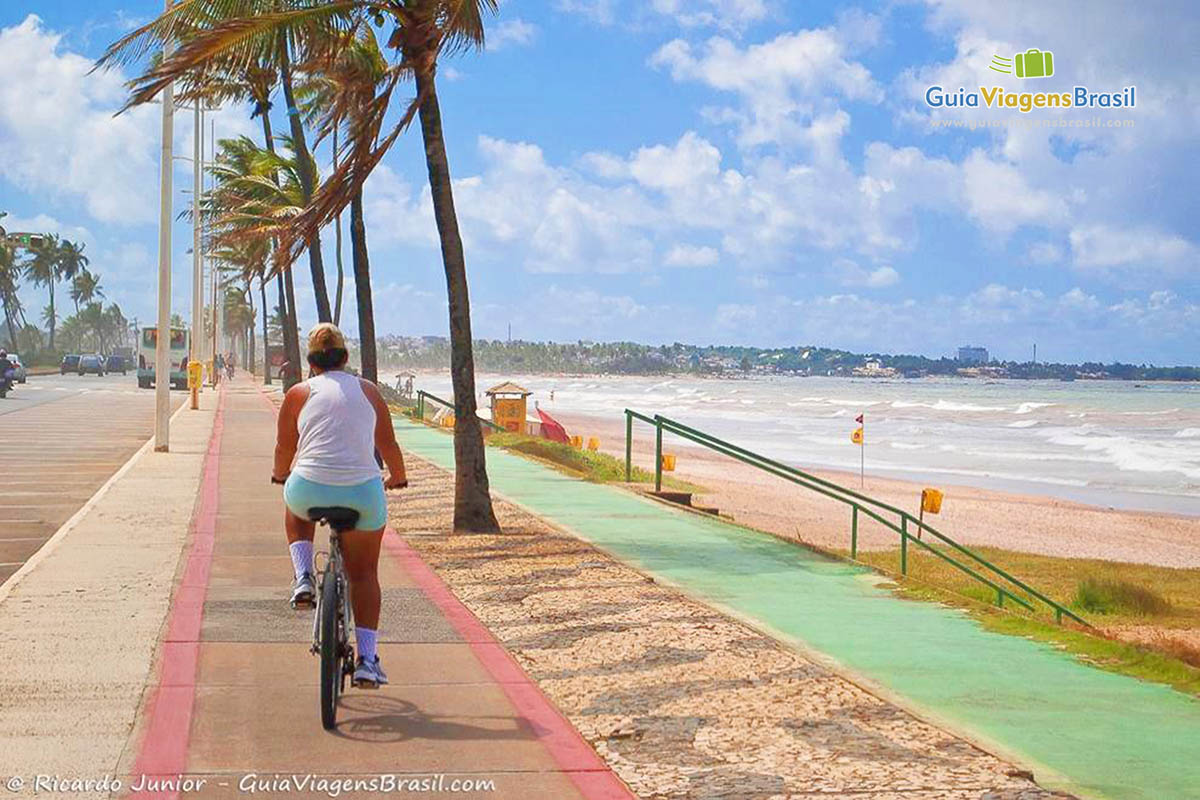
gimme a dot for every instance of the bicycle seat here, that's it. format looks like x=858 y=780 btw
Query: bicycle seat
x=337 y=517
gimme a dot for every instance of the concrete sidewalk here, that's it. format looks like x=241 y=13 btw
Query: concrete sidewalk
x=236 y=693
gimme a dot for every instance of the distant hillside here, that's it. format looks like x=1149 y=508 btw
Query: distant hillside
x=630 y=358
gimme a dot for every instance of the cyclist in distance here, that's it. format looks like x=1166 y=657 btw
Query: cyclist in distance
x=330 y=426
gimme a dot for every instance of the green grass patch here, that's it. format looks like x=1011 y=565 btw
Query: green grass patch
x=587 y=464
x=1108 y=594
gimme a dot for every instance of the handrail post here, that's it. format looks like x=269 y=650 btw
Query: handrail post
x=628 y=447
x=854 y=533
x=657 y=455
x=421 y=405
x=903 y=545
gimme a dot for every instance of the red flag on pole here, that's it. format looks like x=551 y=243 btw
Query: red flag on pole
x=552 y=429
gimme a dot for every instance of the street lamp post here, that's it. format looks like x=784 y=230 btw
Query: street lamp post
x=162 y=364
x=197 y=286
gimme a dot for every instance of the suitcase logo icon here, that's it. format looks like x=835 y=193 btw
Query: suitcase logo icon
x=1033 y=63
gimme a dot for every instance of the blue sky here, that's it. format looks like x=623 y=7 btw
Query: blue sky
x=713 y=171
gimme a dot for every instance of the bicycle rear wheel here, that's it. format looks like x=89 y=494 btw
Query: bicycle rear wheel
x=331 y=661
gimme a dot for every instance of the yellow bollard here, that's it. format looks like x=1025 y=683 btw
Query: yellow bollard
x=593 y=443
x=195 y=376
x=668 y=462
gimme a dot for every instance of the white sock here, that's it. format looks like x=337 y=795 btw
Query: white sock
x=366 y=642
x=302 y=556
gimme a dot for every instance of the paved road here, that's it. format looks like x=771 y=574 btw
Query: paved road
x=63 y=436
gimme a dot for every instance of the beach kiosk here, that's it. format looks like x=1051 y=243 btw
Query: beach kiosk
x=508 y=406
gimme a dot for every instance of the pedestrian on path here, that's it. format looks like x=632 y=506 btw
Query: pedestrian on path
x=329 y=429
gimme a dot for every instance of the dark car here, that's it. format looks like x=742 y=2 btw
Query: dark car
x=116 y=364
x=69 y=364
x=91 y=364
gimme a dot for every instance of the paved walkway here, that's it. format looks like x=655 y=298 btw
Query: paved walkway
x=237 y=693
x=1084 y=730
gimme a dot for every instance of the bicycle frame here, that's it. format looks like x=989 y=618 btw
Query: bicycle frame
x=337 y=571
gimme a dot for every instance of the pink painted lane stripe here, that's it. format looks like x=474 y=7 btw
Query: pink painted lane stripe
x=574 y=756
x=163 y=750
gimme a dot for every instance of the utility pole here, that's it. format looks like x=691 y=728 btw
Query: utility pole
x=162 y=363
x=197 y=286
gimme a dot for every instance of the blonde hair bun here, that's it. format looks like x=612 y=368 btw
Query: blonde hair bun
x=325 y=336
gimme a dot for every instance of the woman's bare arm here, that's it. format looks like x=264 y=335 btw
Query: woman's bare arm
x=385 y=438
x=287 y=433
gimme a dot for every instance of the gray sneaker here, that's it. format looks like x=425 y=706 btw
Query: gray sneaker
x=304 y=589
x=369 y=675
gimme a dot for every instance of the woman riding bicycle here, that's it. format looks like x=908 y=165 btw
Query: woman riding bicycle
x=330 y=426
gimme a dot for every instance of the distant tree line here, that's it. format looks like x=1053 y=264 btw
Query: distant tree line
x=631 y=358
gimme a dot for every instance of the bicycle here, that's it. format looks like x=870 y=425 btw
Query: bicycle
x=332 y=615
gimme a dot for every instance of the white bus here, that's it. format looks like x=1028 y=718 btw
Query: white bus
x=177 y=357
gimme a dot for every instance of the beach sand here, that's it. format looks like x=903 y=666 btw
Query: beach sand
x=972 y=516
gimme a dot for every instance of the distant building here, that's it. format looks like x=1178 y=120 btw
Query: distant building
x=973 y=355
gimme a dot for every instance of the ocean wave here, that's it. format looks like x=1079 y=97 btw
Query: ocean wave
x=1029 y=408
x=1125 y=453
x=907 y=446
x=1188 y=433
x=1022 y=423
x=946 y=405
x=1148 y=413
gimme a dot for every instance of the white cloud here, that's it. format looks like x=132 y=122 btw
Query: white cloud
x=1044 y=253
x=849 y=273
x=728 y=14
x=58 y=137
x=784 y=84
x=511 y=33
x=686 y=255
x=1100 y=247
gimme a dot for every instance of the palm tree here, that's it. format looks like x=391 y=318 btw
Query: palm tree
x=254 y=188
x=9 y=282
x=43 y=270
x=71 y=262
x=422 y=31
x=356 y=73
x=85 y=287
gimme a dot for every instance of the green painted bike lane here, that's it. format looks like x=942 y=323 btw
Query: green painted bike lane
x=1105 y=735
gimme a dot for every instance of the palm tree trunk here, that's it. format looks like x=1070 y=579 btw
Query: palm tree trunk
x=362 y=290
x=12 y=328
x=341 y=273
x=52 y=319
x=262 y=296
x=293 y=333
x=315 y=263
x=248 y=333
x=287 y=295
x=472 y=499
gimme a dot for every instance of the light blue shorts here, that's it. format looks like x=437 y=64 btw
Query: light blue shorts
x=367 y=499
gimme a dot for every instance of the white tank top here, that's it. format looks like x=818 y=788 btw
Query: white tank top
x=337 y=432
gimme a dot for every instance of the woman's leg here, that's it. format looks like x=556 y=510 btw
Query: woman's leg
x=361 y=552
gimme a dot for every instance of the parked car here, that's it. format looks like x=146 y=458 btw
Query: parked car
x=69 y=364
x=116 y=363
x=91 y=364
x=19 y=374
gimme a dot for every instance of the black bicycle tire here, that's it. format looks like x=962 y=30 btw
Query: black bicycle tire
x=331 y=660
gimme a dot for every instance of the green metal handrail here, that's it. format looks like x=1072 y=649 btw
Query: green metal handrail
x=856 y=500
x=422 y=394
